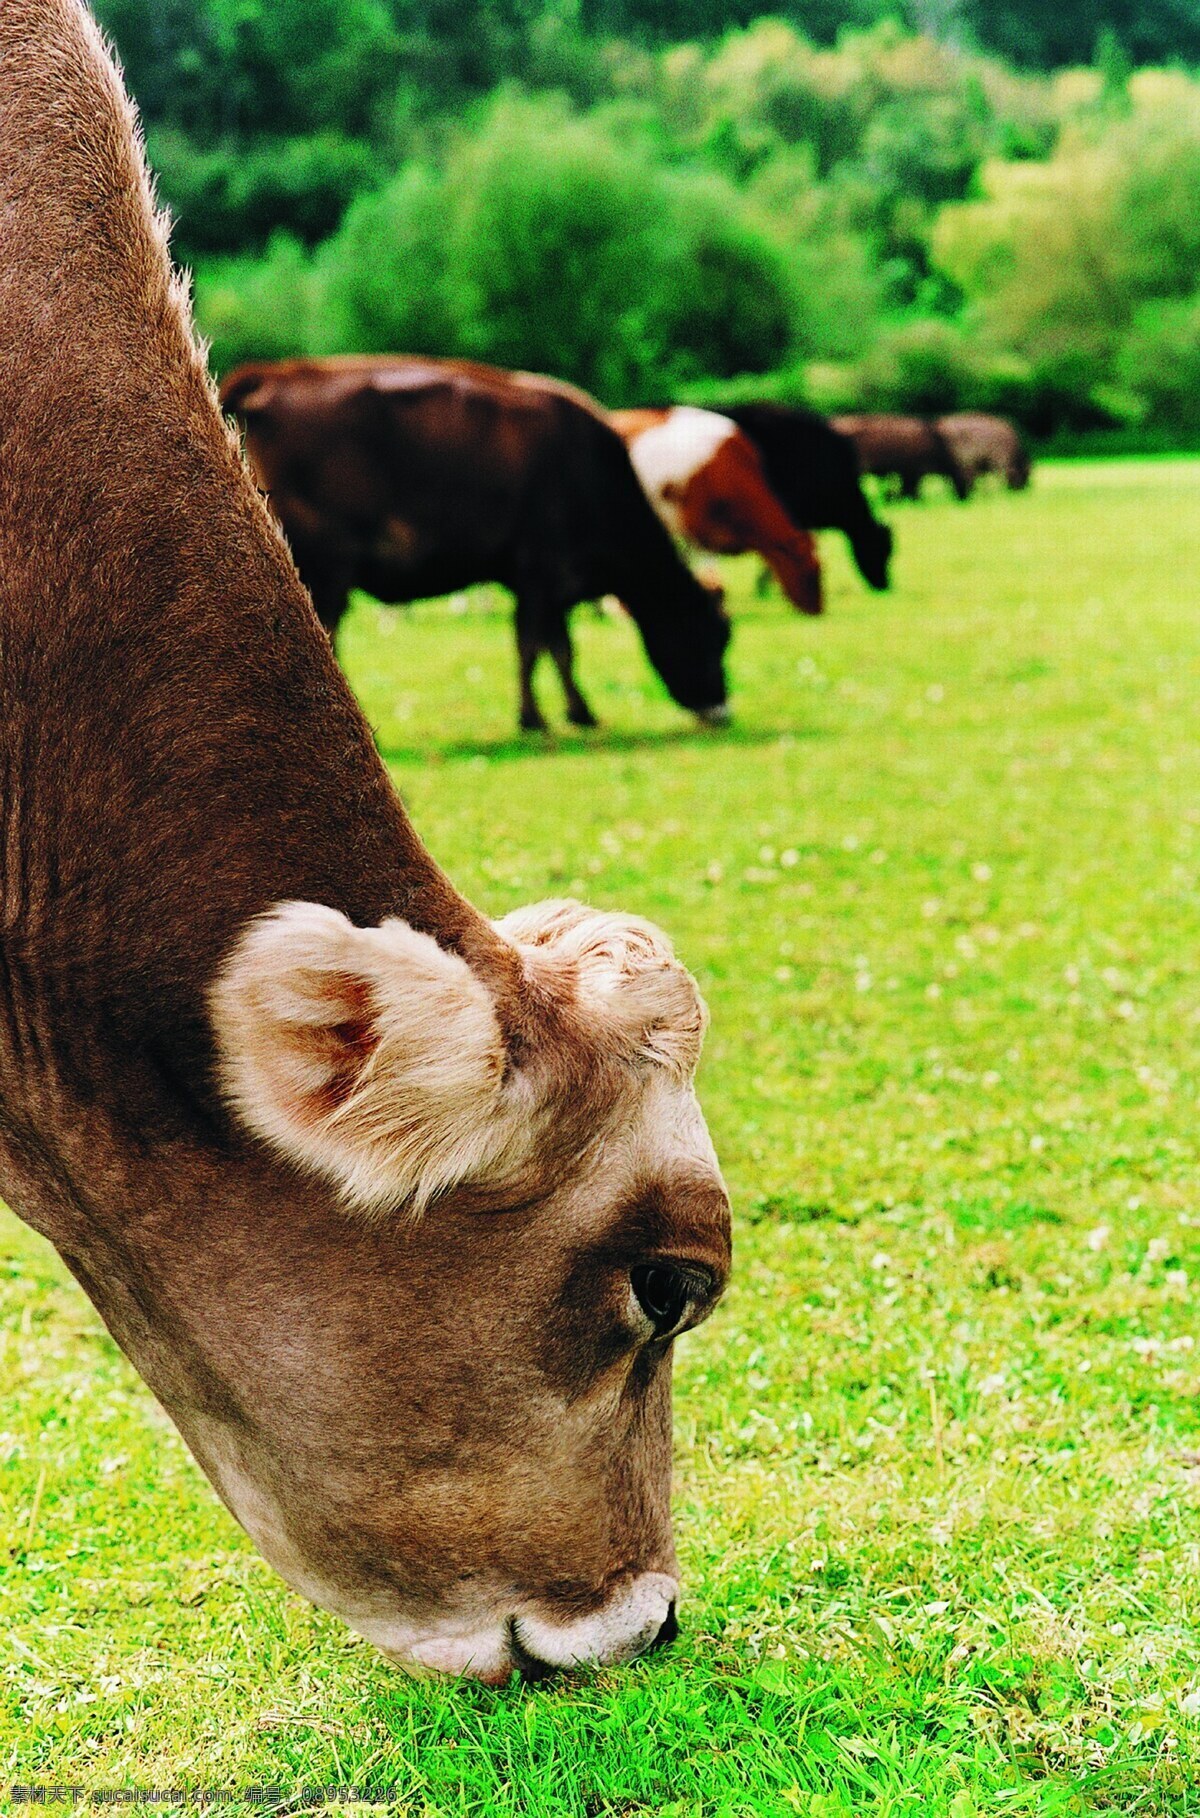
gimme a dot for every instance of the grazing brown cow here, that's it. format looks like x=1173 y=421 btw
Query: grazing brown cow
x=412 y=477
x=901 y=448
x=985 y=444
x=397 y=1210
x=707 y=482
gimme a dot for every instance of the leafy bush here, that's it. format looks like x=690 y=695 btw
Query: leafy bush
x=233 y=198
x=548 y=244
x=1160 y=363
x=383 y=282
x=724 y=301
x=923 y=365
x=259 y=308
x=555 y=240
x=896 y=221
x=1057 y=257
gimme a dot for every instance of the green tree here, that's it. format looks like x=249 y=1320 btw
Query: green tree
x=1045 y=37
x=1056 y=259
x=383 y=279
x=579 y=255
x=1159 y=364
x=262 y=308
x=234 y=197
x=548 y=243
x=305 y=65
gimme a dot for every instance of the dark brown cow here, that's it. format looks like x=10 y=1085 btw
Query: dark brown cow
x=411 y=477
x=397 y=1210
x=707 y=482
x=901 y=448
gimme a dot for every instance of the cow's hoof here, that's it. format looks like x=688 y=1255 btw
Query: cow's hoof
x=533 y=722
x=582 y=716
x=720 y=715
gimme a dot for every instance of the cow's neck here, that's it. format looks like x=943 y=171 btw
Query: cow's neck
x=178 y=749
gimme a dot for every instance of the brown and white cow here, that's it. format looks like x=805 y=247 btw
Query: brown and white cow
x=397 y=1210
x=813 y=471
x=413 y=476
x=706 y=480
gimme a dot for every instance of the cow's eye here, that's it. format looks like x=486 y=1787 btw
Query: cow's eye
x=664 y=1294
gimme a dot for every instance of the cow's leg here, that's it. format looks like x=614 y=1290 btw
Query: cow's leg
x=528 y=652
x=910 y=482
x=530 y=644
x=578 y=711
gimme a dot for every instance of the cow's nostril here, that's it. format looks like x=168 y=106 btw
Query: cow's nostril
x=668 y=1631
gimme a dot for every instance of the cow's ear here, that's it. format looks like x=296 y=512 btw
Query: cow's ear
x=370 y=1056
x=625 y=974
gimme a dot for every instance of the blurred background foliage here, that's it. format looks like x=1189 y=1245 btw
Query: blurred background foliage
x=892 y=204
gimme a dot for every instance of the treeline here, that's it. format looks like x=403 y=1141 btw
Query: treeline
x=897 y=219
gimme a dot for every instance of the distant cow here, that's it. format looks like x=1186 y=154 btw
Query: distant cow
x=904 y=448
x=412 y=477
x=813 y=471
x=707 y=482
x=984 y=444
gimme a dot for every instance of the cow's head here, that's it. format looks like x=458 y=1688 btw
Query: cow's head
x=873 y=553
x=688 y=648
x=462 y=1443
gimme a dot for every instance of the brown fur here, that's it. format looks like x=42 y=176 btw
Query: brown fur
x=984 y=444
x=379 y=1402
x=902 y=448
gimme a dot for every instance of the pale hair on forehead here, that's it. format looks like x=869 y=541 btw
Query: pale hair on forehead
x=625 y=969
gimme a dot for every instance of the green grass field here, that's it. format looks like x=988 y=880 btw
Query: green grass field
x=938 y=1454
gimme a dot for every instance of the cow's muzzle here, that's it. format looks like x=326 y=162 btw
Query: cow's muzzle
x=535 y=1644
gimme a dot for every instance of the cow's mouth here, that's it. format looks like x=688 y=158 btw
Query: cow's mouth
x=529 y=1666
x=533 y=1668
x=535 y=1640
